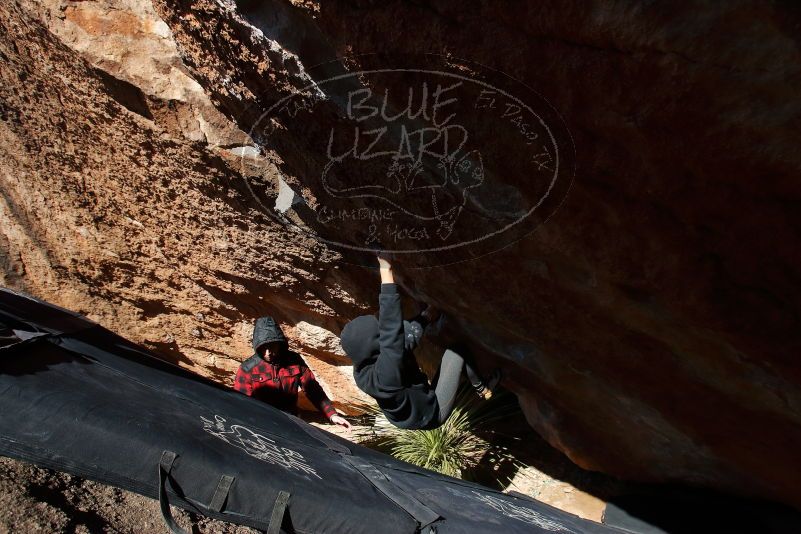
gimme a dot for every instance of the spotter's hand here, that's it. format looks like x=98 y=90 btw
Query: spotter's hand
x=341 y=421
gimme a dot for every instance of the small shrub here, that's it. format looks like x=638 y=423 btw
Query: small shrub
x=461 y=447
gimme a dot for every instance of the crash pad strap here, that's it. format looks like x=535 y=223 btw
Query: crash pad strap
x=25 y=338
x=277 y=517
x=165 y=465
x=419 y=511
x=221 y=493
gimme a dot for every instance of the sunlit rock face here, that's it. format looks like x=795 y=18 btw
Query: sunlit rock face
x=123 y=197
x=644 y=308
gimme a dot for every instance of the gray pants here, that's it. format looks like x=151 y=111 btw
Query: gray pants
x=446 y=382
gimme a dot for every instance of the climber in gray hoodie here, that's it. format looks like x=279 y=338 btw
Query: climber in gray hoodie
x=384 y=366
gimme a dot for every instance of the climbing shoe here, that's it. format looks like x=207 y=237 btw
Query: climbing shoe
x=486 y=388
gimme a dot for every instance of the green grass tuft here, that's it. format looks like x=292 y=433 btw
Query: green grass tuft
x=460 y=448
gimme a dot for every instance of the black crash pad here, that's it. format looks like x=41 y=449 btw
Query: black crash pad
x=78 y=398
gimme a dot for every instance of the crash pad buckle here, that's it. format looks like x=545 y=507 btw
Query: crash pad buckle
x=221 y=493
x=165 y=466
x=167 y=459
x=277 y=517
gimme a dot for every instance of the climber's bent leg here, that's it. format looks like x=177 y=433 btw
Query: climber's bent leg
x=447 y=383
x=473 y=377
x=484 y=387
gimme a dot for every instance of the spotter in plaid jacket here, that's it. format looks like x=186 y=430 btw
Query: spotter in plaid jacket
x=276 y=380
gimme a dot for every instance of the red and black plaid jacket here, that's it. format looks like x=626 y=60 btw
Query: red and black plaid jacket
x=277 y=383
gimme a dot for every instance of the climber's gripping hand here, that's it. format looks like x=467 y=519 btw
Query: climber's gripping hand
x=385 y=268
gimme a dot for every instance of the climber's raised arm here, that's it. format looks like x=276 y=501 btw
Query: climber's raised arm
x=390 y=330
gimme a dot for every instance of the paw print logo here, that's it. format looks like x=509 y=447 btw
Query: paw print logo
x=428 y=189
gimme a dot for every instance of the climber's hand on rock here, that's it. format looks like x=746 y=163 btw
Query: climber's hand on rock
x=383 y=262
x=385 y=268
x=341 y=421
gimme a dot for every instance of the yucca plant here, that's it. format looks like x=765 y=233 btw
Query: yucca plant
x=458 y=448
